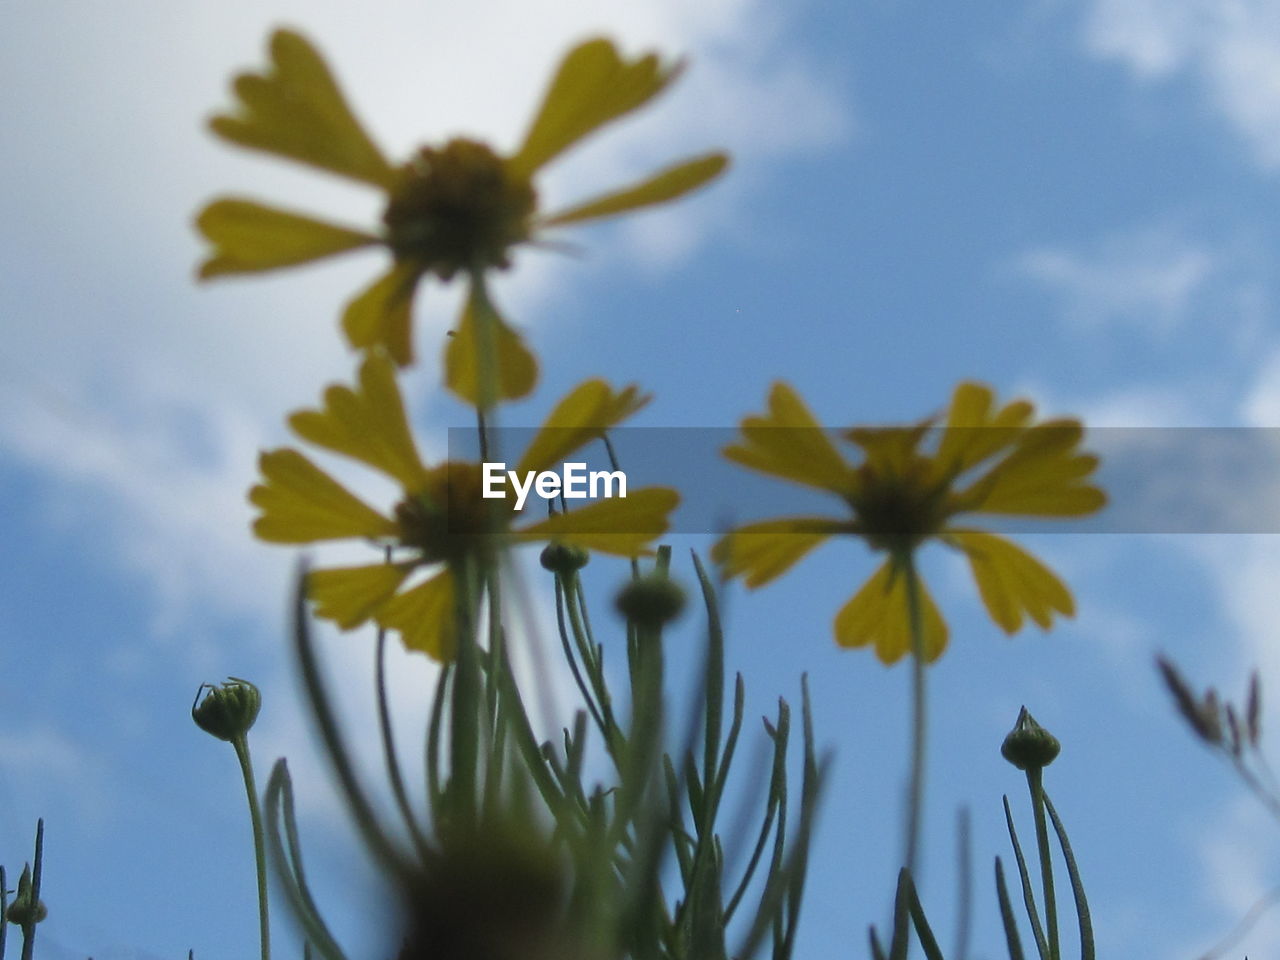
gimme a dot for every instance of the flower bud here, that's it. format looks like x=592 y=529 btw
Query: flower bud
x=25 y=910
x=1029 y=746
x=650 y=601
x=227 y=711
x=563 y=558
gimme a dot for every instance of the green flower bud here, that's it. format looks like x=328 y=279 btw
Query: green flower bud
x=650 y=601
x=563 y=558
x=227 y=711
x=1029 y=746
x=25 y=910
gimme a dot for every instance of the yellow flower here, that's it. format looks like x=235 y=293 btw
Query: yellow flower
x=914 y=484
x=442 y=522
x=456 y=208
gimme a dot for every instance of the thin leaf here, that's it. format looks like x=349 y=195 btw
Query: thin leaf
x=928 y=942
x=877 y=951
x=679 y=836
x=394 y=774
x=900 y=945
x=1007 y=917
x=435 y=793
x=714 y=688
x=1077 y=887
x=1253 y=711
x=964 y=896
x=278 y=802
x=1028 y=896
x=361 y=810
x=810 y=785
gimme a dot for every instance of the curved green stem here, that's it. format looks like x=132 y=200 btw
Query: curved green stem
x=919 y=717
x=1035 y=782
x=318 y=699
x=486 y=320
x=241 y=745
x=464 y=733
x=394 y=774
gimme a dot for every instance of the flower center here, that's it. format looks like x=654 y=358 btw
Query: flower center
x=897 y=511
x=458 y=207
x=449 y=519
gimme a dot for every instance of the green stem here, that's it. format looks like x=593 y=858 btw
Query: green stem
x=1035 y=782
x=919 y=717
x=486 y=318
x=496 y=754
x=616 y=466
x=241 y=745
x=464 y=720
x=318 y=699
x=575 y=605
x=394 y=774
x=482 y=430
x=570 y=657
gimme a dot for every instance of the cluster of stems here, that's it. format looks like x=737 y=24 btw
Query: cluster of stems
x=620 y=814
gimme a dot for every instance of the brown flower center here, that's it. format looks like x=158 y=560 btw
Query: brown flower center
x=458 y=207
x=450 y=519
x=896 y=511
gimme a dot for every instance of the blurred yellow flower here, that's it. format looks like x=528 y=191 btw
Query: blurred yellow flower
x=456 y=208
x=442 y=521
x=910 y=485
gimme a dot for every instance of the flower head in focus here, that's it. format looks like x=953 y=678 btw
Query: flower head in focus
x=911 y=485
x=455 y=208
x=442 y=523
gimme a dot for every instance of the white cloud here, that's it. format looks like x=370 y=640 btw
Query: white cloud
x=141 y=401
x=1261 y=407
x=1239 y=853
x=1245 y=569
x=1150 y=278
x=144 y=399
x=35 y=756
x=1229 y=48
x=1237 y=848
x=1143 y=406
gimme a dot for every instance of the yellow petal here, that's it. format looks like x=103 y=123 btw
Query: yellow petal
x=381 y=315
x=300 y=503
x=890 y=451
x=787 y=442
x=970 y=405
x=621 y=526
x=368 y=424
x=976 y=430
x=425 y=617
x=248 y=237
x=668 y=184
x=296 y=110
x=760 y=552
x=485 y=361
x=1012 y=582
x=351 y=595
x=1067 y=501
x=592 y=86
x=584 y=414
x=877 y=614
x=1043 y=475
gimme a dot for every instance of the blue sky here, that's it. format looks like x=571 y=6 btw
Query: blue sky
x=1073 y=202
